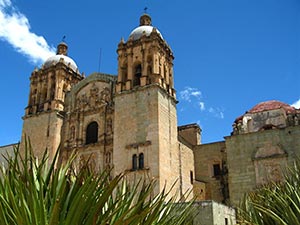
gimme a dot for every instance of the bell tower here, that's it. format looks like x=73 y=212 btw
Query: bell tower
x=145 y=59
x=45 y=110
x=145 y=127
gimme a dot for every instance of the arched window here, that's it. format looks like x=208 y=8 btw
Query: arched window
x=91 y=133
x=134 y=162
x=137 y=75
x=141 y=161
x=124 y=73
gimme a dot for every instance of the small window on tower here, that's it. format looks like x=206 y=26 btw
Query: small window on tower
x=137 y=75
x=124 y=73
x=192 y=177
x=141 y=161
x=217 y=170
x=134 y=162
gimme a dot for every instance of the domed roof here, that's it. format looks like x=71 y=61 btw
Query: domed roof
x=267 y=106
x=271 y=105
x=138 y=32
x=61 y=56
x=53 y=60
x=145 y=28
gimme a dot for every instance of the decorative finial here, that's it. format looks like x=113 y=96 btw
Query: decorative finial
x=62 y=48
x=145 y=20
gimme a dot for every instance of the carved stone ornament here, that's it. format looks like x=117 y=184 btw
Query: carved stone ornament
x=268 y=162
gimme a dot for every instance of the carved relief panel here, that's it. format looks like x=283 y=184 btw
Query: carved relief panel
x=269 y=160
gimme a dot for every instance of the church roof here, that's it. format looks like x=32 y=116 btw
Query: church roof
x=53 y=60
x=145 y=28
x=138 y=32
x=271 y=105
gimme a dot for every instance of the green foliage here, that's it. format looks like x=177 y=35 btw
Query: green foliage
x=33 y=193
x=274 y=204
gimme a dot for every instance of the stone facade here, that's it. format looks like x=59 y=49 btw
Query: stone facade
x=126 y=123
x=257 y=158
x=89 y=102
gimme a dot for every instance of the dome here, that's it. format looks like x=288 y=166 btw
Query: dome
x=145 y=28
x=53 y=60
x=271 y=105
x=267 y=115
x=138 y=32
x=268 y=106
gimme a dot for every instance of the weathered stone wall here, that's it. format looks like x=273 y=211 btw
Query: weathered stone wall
x=146 y=122
x=186 y=170
x=206 y=156
x=190 y=133
x=136 y=130
x=259 y=157
x=213 y=213
x=169 y=171
x=44 y=131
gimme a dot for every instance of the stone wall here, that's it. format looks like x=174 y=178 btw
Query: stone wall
x=6 y=152
x=136 y=131
x=186 y=169
x=257 y=158
x=43 y=131
x=190 y=133
x=213 y=213
x=146 y=122
x=206 y=157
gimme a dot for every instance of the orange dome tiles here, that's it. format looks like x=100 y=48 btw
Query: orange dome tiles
x=271 y=105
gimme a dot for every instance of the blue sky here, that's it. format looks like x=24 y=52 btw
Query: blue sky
x=229 y=54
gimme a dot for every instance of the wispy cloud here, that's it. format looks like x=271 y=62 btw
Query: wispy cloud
x=202 y=106
x=194 y=96
x=217 y=112
x=189 y=93
x=15 y=29
x=296 y=104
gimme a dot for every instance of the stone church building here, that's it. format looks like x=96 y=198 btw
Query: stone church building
x=128 y=123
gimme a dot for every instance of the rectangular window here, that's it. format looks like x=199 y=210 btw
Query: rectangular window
x=192 y=177
x=217 y=170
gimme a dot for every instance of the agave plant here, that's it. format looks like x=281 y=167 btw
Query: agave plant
x=274 y=204
x=33 y=193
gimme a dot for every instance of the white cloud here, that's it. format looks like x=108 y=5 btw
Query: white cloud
x=4 y=3
x=15 y=29
x=202 y=106
x=216 y=112
x=296 y=104
x=190 y=92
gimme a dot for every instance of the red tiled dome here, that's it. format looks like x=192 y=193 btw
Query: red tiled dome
x=271 y=105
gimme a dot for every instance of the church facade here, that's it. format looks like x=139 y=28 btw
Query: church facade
x=128 y=123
